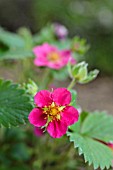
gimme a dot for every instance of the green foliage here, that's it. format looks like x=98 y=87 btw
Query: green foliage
x=16 y=46
x=87 y=135
x=64 y=44
x=15 y=150
x=99 y=125
x=30 y=87
x=14 y=104
x=12 y=40
x=80 y=73
x=27 y=37
x=61 y=74
x=79 y=45
x=74 y=98
x=16 y=54
x=45 y=35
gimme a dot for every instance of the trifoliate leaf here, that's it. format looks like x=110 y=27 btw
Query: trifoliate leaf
x=89 y=133
x=14 y=104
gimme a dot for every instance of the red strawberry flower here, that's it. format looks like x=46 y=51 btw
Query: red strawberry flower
x=53 y=111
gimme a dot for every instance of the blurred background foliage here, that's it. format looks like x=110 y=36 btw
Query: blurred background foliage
x=21 y=149
x=92 y=20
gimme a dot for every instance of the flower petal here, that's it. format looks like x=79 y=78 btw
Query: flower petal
x=67 y=57
x=48 y=48
x=43 y=98
x=69 y=115
x=61 y=96
x=57 y=129
x=38 y=131
x=37 y=118
x=56 y=65
x=40 y=62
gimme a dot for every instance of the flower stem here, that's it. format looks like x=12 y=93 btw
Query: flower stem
x=71 y=85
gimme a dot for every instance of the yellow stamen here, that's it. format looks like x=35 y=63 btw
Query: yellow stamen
x=53 y=111
x=61 y=108
x=53 y=104
x=53 y=56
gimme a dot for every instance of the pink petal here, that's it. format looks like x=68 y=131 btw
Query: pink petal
x=57 y=65
x=61 y=96
x=38 y=131
x=56 y=129
x=69 y=115
x=72 y=61
x=40 y=62
x=37 y=118
x=67 y=57
x=43 y=98
x=48 y=48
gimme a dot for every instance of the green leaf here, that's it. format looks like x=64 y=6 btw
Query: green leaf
x=45 y=35
x=94 y=152
x=64 y=44
x=61 y=74
x=98 y=125
x=27 y=36
x=20 y=152
x=12 y=40
x=86 y=134
x=14 y=104
x=74 y=98
x=16 y=54
x=77 y=126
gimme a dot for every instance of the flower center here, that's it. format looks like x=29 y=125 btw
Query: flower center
x=53 y=111
x=53 y=57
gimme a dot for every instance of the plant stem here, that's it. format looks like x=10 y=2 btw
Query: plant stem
x=71 y=85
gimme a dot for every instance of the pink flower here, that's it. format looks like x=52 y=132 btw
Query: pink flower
x=53 y=111
x=50 y=56
x=38 y=131
x=60 y=30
